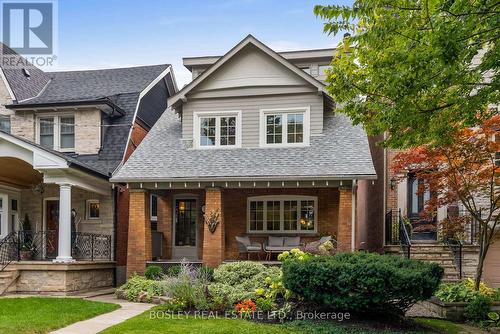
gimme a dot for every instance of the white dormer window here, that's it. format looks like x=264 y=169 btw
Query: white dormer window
x=56 y=132
x=217 y=129
x=285 y=127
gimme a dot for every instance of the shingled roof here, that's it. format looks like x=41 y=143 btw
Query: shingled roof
x=342 y=152
x=118 y=87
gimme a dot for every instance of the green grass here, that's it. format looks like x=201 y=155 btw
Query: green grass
x=440 y=325
x=142 y=324
x=42 y=315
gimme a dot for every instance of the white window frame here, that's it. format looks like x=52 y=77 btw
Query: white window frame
x=306 y=111
x=87 y=209
x=218 y=115
x=151 y=217
x=282 y=199
x=57 y=130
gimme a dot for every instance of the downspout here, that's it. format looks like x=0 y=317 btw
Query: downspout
x=384 y=204
x=115 y=230
x=353 y=215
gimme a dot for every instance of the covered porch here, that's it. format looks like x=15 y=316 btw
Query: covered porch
x=56 y=216
x=200 y=221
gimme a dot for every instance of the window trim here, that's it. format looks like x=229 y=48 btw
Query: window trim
x=281 y=199
x=197 y=115
x=151 y=217
x=57 y=130
x=87 y=209
x=296 y=110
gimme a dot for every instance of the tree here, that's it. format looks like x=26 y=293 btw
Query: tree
x=464 y=170
x=416 y=70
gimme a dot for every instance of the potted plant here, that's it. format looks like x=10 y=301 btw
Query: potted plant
x=26 y=240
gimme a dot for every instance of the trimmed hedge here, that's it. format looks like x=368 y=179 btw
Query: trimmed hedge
x=362 y=282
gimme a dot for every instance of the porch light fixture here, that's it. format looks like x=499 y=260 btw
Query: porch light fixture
x=393 y=183
x=73 y=213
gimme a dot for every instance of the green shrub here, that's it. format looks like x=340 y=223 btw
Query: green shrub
x=172 y=305
x=362 y=282
x=154 y=273
x=208 y=273
x=236 y=281
x=174 y=270
x=265 y=304
x=138 y=286
x=478 y=308
x=464 y=291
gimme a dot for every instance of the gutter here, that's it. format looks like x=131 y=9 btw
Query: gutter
x=249 y=178
x=105 y=101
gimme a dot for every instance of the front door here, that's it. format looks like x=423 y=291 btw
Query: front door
x=52 y=230
x=185 y=229
x=423 y=226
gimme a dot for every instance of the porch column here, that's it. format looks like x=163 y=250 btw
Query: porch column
x=139 y=232
x=344 y=234
x=213 y=243
x=165 y=215
x=64 y=241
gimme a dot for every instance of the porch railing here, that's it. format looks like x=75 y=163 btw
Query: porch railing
x=8 y=250
x=42 y=245
x=404 y=237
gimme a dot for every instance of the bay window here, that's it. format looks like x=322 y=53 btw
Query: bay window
x=57 y=132
x=287 y=127
x=217 y=130
x=282 y=214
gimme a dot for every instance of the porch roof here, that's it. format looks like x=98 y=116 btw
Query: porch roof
x=341 y=152
x=47 y=158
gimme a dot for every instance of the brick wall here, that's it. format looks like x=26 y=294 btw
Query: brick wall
x=122 y=203
x=344 y=237
x=235 y=205
x=139 y=232
x=213 y=243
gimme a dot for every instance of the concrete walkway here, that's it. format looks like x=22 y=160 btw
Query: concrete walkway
x=103 y=321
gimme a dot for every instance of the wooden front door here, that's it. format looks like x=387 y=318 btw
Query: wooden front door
x=52 y=228
x=424 y=227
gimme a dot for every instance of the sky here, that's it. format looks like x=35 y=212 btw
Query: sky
x=120 y=33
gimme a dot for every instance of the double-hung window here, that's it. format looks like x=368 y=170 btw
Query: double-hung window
x=57 y=132
x=288 y=127
x=282 y=214
x=217 y=130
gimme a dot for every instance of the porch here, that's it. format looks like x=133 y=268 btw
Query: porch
x=56 y=215
x=200 y=222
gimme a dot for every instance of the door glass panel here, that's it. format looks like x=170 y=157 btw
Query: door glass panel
x=185 y=222
x=414 y=196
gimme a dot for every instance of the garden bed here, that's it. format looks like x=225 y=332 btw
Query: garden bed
x=452 y=311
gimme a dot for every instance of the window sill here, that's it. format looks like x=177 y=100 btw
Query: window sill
x=283 y=233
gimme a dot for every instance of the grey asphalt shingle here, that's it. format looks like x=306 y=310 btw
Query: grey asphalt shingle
x=93 y=84
x=342 y=151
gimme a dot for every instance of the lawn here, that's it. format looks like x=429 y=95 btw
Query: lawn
x=41 y=315
x=142 y=324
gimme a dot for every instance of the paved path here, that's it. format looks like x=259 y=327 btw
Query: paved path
x=103 y=321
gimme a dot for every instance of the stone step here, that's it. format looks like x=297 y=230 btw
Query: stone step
x=6 y=274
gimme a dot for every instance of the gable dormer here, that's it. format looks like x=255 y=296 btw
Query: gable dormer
x=251 y=97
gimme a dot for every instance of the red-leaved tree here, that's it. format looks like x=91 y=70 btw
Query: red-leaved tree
x=462 y=171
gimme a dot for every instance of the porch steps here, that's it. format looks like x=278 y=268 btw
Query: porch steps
x=435 y=253
x=8 y=276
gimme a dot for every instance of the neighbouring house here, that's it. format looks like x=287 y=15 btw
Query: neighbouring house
x=63 y=225
x=252 y=147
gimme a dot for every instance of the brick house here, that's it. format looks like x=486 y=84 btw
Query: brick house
x=62 y=136
x=254 y=144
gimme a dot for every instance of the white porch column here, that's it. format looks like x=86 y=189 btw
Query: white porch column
x=64 y=241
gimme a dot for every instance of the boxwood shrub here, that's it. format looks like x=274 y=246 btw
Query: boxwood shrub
x=362 y=282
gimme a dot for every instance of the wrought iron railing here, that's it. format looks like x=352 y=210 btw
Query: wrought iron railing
x=42 y=245
x=455 y=247
x=404 y=237
x=90 y=246
x=8 y=250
